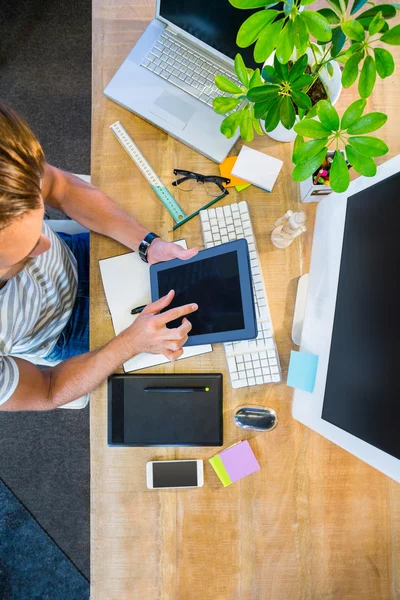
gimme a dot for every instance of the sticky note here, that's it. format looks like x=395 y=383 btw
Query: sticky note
x=234 y=463
x=239 y=188
x=302 y=370
x=257 y=168
x=225 y=169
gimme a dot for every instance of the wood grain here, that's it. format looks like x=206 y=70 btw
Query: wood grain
x=314 y=522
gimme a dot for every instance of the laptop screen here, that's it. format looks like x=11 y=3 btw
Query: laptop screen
x=214 y=22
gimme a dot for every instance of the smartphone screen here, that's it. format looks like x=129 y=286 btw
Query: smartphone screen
x=175 y=474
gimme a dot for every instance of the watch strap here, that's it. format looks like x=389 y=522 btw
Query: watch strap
x=145 y=245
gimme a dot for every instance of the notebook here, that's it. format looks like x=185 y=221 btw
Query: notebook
x=126 y=283
x=234 y=463
x=257 y=168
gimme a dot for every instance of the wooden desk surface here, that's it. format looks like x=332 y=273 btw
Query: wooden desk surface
x=314 y=522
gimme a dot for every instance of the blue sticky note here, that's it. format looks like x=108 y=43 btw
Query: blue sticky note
x=302 y=370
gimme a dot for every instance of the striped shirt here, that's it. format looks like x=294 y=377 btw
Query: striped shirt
x=34 y=308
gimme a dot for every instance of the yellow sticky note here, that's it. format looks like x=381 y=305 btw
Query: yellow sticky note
x=225 y=168
x=220 y=470
x=239 y=188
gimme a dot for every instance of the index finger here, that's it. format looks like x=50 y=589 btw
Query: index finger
x=175 y=313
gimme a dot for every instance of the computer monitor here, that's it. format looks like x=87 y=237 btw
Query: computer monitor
x=352 y=321
x=214 y=22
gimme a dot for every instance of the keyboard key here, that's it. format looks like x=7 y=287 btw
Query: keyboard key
x=231 y=363
x=239 y=383
x=276 y=378
x=251 y=381
x=183 y=85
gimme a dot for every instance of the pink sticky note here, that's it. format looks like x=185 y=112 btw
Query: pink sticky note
x=239 y=461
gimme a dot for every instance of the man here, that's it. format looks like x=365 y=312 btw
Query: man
x=43 y=280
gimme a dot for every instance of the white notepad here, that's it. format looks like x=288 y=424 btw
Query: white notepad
x=257 y=168
x=126 y=282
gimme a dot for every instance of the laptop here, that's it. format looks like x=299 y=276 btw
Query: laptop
x=168 y=77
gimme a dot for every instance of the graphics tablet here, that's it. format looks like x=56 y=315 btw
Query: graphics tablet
x=218 y=280
x=165 y=410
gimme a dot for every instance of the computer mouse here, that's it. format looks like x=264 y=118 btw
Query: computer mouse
x=256 y=418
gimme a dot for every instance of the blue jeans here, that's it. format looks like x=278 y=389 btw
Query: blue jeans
x=74 y=338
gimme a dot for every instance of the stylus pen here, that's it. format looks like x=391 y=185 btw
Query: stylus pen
x=196 y=212
x=138 y=309
x=170 y=389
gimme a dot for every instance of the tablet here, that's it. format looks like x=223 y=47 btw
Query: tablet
x=219 y=281
x=165 y=410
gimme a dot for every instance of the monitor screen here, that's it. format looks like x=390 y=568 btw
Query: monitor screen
x=361 y=395
x=213 y=284
x=215 y=22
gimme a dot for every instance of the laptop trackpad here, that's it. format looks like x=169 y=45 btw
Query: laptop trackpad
x=172 y=109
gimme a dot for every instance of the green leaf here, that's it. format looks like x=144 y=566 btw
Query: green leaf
x=272 y=118
x=384 y=62
x=285 y=43
x=317 y=25
x=368 y=145
x=376 y=24
x=267 y=41
x=255 y=79
x=300 y=34
x=327 y=115
x=243 y=4
x=298 y=143
x=312 y=112
x=226 y=85
x=354 y=30
x=282 y=70
x=301 y=99
x=287 y=114
x=306 y=2
x=388 y=12
x=231 y=123
x=302 y=82
x=308 y=150
x=330 y=69
x=329 y=15
x=370 y=122
x=339 y=176
x=367 y=77
x=353 y=113
x=335 y=5
x=252 y=27
x=257 y=126
x=350 y=71
x=298 y=68
x=241 y=70
x=366 y=23
x=357 y=4
x=223 y=105
x=263 y=92
x=312 y=129
x=305 y=169
x=261 y=108
x=392 y=36
x=338 y=41
x=268 y=74
x=246 y=127
x=362 y=164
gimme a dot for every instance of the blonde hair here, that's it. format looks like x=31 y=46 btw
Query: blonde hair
x=21 y=166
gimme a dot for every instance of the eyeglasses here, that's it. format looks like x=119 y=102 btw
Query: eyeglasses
x=213 y=185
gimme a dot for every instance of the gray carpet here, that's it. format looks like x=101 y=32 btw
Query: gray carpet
x=45 y=73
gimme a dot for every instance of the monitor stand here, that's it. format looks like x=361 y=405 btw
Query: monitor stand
x=299 y=309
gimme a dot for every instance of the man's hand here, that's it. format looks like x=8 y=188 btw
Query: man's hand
x=149 y=332
x=161 y=251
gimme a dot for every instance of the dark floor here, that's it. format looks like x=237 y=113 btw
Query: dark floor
x=45 y=73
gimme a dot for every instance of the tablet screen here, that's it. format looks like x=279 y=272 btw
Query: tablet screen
x=213 y=284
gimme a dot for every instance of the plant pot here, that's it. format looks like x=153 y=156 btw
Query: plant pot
x=333 y=86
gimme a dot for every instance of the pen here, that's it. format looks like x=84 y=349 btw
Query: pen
x=196 y=212
x=171 y=389
x=138 y=309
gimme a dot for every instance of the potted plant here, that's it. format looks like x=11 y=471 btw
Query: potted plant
x=301 y=46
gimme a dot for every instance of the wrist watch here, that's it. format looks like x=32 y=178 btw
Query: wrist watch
x=145 y=245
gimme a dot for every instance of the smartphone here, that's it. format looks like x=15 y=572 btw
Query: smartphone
x=162 y=474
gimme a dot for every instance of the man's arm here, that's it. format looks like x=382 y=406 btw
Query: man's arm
x=52 y=387
x=96 y=211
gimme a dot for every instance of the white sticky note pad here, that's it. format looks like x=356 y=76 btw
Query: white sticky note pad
x=126 y=282
x=257 y=168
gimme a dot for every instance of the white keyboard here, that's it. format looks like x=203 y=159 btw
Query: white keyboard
x=187 y=68
x=250 y=362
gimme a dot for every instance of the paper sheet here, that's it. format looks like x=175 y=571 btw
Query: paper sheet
x=126 y=283
x=257 y=168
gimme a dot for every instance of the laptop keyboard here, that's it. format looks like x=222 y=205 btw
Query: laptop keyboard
x=186 y=68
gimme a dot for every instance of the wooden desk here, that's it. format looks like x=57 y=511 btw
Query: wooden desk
x=315 y=522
